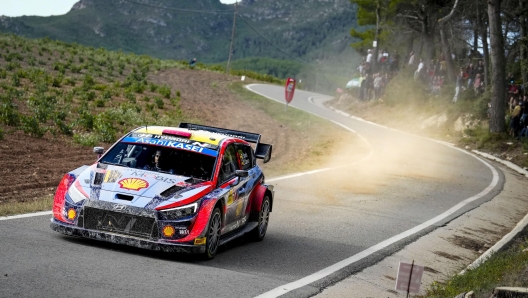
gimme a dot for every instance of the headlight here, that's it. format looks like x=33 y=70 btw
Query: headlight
x=76 y=192
x=179 y=212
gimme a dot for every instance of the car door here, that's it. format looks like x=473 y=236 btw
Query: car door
x=246 y=161
x=230 y=182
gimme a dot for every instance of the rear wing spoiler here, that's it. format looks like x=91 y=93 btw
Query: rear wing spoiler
x=262 y=151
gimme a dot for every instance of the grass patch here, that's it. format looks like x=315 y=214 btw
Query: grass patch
x=507 y=268
x=12 y=208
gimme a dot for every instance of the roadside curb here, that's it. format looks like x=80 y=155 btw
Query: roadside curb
x=508 y=238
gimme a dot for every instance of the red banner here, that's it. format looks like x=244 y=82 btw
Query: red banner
x=290 y=89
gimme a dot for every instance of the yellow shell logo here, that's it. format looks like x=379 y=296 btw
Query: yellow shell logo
x=133 y=183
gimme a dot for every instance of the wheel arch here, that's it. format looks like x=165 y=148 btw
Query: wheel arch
x=258 y=195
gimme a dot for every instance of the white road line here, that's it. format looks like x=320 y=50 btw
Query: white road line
x=281 y=290
x=25 y=215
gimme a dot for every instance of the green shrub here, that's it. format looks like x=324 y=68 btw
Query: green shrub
x=57 y=81
x=3 y=73
x=159 y=102
x=86 y=139
x=130 y=96
x=88 y=96
x=178 y=93
x=31 y=126
x=8 y=113
x=63 y=127
x=137 y=87
x=76 y=68
x=88 y=82
x=100 y=103
x=175 y=101
x=85 y=120
x=21 y=73
x=1 y=134
x=15 y=80
x=145 y=99
x=165 y=91
x=100 y=87
x=107 y=94
x=153 y=87
x=69 y=81
x=104 y=127
x=12 y=66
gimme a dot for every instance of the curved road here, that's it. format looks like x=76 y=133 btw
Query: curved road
x=325 y=226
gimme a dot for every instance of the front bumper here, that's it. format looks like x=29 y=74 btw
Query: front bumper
x=123 y=239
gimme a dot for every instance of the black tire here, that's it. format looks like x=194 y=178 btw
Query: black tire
x=259 y=232
x=212 y=241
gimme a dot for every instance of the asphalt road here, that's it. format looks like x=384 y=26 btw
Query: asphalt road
x=324 y=227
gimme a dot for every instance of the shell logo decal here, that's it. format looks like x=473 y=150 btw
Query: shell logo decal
x=133 y=184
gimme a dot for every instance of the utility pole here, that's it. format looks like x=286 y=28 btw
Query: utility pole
x=232 y=39
x=374 y=62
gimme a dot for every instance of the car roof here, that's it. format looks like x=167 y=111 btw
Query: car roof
x=196 y=135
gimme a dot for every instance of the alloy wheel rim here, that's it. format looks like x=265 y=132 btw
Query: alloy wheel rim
x=214 y=233
x=264 y=216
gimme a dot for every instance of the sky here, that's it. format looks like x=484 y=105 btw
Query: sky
x=16 y=8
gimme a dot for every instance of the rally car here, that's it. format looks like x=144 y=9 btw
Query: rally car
x=190 y=189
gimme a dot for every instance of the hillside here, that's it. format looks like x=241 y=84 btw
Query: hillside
x=304 y=29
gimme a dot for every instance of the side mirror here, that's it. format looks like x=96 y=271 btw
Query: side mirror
x=98 y=150
x=263 y=151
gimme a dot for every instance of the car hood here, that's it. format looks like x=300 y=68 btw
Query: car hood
x=140 y=188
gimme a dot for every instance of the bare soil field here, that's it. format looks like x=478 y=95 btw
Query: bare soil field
x=31 y=168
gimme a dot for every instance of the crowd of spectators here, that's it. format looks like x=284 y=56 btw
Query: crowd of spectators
x=469 y=78
x=373 y=84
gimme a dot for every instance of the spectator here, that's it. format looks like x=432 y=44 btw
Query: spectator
x=515 y=118
x=480 y=68
x=363 y=88
x=524 y=110
x=459 y=84
x=370 y=87
x=192 y=63
x=471 y=73
x=411 y=58
x=369 y=56
x=378 y=83
x=477 y=85
x=523 y=122
x=418 y=71
x=513 y=89
x=395 y=63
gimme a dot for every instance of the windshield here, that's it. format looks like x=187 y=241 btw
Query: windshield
x=161 y=159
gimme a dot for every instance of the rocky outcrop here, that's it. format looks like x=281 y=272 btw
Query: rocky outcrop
x=82 y=4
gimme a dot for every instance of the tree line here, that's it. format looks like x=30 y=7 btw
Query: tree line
x=494 y=31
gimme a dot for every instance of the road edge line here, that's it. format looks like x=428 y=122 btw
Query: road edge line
x=40 y=213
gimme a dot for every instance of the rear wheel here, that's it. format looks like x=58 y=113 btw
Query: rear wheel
x=263 y=219
x=213 y=234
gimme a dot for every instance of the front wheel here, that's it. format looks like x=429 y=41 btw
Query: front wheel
x=213 y=234
x=263 y=219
